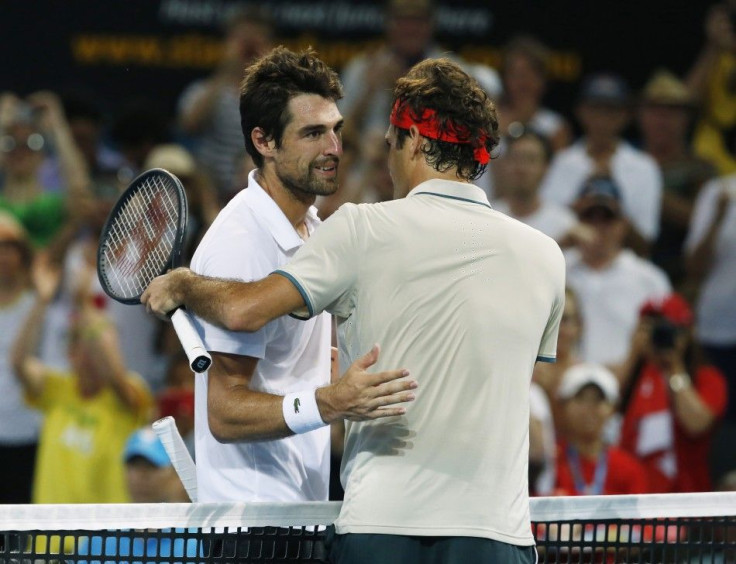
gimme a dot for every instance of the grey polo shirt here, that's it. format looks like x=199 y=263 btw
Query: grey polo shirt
x=468 y=300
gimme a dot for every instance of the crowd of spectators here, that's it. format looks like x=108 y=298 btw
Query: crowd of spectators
x=642 y=200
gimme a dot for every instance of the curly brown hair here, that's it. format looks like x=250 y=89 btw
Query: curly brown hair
x=460 y=105
x=273 y=80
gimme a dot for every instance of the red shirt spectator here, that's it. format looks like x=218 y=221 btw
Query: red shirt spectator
x=675 y=403
x=676 y=461
x=614 y=472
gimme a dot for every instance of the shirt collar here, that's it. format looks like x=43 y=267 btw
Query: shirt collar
x=273 y=219
x=453 y=190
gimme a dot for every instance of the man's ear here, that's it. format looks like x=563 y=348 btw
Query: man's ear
x=265 y=145
x=415 y=140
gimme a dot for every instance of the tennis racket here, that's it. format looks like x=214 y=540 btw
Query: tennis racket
x=142 y=238
x=180 y=458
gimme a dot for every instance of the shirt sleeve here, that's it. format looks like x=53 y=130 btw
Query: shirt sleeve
x=548 y=346
x=325 y=268
x=234 y=257
x=55 y=387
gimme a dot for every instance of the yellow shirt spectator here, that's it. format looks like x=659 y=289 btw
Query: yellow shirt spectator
x=82 y=441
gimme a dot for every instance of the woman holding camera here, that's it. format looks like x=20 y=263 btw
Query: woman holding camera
x=674 y=400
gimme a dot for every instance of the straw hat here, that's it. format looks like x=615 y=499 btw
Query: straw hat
x=665 y=89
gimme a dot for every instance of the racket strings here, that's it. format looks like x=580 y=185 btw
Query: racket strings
x=140 y=240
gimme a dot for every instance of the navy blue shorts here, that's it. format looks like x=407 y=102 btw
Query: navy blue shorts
x=399 y=549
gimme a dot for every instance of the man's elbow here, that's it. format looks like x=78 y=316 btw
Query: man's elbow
x=221 y=431
x=696 y=427
x=244 y=319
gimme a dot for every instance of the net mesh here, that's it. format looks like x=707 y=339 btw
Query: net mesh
x=682 y=528
x=140 y=238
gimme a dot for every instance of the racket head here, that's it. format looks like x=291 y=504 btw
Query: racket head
x=143 y=235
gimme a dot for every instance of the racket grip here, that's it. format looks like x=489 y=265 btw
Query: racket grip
x=199 y=359
x=180 y=458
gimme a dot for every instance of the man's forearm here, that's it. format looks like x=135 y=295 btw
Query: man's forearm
x=236 y=306
x=227 y=303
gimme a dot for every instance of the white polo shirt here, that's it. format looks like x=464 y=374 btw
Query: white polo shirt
x=610 y=300
x=636 y=173
x=716 y=307
x=248 y=240
x=468 y=300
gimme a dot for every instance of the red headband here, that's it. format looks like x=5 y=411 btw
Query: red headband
x=429 y=126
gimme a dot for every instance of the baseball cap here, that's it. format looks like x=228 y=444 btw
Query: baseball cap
x=665 y=89
x=674 y=308
x=599 y=191
x=578 y=376
x=605 y=89
x=172 y=157
x=146 y=444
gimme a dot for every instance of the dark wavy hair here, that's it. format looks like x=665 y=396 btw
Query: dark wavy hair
x=274 y=79
x=460 y=104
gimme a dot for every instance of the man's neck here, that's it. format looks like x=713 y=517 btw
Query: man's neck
x=422 y=174
x=601 y=147
x=602 y=260
x=588 y=448
x=295 y=208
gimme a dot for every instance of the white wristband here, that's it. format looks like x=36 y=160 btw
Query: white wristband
x=301 y=412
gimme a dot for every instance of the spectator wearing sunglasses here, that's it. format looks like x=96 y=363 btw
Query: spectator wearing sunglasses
x=611 y=282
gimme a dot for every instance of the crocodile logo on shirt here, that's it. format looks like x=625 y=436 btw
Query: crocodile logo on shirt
x=297 y=403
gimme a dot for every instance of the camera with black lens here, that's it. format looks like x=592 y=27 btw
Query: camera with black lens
x=663 y=335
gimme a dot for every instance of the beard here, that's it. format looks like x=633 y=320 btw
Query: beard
x=306 y=185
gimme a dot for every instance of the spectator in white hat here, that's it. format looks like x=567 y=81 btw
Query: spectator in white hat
x=586 y=464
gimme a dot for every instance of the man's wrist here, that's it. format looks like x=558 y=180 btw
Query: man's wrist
x=181 y=286
x=301 y=412
x=324 y=406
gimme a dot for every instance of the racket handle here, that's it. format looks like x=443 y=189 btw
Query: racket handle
x=180 y=458
x=199 y=358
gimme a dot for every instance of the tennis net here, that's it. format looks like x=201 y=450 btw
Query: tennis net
x=678 y=528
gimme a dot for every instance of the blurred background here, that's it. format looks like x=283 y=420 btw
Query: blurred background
x=617 y=122
x=150 y=49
